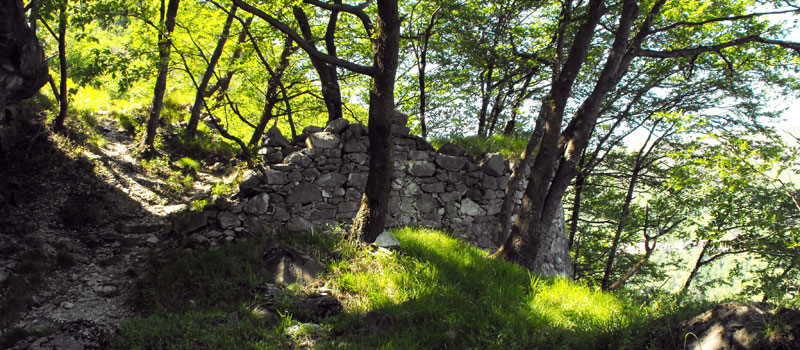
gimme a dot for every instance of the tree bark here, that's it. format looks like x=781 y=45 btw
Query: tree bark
x=421 y=66
x=272 y=92
x=371 y=217
x=197 y=107
x=164 y=42
x=328 y=76
x=63 y=102
x=23 y=70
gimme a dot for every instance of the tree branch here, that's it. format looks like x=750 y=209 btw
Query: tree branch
x=708 y=48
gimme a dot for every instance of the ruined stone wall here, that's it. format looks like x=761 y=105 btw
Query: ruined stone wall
x=318 y=179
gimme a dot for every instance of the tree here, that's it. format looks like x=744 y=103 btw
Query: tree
x=371 y=217
x=23 y=69
x=534 y=242
x=168 y=13
x=197 y=107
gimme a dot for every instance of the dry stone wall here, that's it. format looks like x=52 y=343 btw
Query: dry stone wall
x=318 y=178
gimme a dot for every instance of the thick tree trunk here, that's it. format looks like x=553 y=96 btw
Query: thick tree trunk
x=23 y=70
x=161 y=81
x=371 y=217
x=63 y=102
x=197 y=107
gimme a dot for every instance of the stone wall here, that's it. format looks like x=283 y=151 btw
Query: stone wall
x=318 y=179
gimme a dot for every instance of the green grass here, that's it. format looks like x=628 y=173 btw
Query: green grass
x=436 y=293
x=510 y=147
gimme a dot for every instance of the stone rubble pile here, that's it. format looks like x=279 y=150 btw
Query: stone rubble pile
x=318 y=178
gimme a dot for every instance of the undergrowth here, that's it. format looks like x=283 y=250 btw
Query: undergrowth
x=435 y=293
x=510 y=147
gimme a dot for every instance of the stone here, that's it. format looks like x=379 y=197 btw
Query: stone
x=190 y=222
x=106 y=291
x=257 y=205
x=298 y=159
x=419 y=155
x=436 y=187
x=354 y=145
x=274 y=138
x=323 y=212
x=272 y=157
x=452 y=149
x=213 y=234
x=401 y=130
x=198 y=238
x=494 y=206
x=320 y=305
x=67 y=305
x=485 y=242
x=399 y=118
x=323 y=140
x=357 y=180
x=152 y=239
x=450 y=197
x=348 y=207
x=450 y=163
x=227 y=220
x=337 y=126
x=256 y=226
x=4 y=275
x=251 y=179
x=469 y=208
x=493 y=164
x=304 y=193
x=287 y=265
x=386 y=240
x=275 y=177
x=421 y=168
x=299 y=224
x=358 y=158
x=312 y=129
x=331 y=180
x=426 y=204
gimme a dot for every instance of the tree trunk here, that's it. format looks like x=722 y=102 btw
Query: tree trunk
x=23 y=70
x=521 y=169
x=423 y=62
x=197 y=107
x=272 y=92
x=63 y=103
x=626 y=210
x=164 y=42
x=693 y=274
x=328 y=76
x=371 y=217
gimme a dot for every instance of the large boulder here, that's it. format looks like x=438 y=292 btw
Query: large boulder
x=287 y=265
x=274 y=138
x=323 y=140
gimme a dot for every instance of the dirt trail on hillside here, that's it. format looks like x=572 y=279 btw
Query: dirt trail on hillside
x=76 y=233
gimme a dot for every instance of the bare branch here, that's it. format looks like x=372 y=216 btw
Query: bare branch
x=709 y=48
x=719 y=19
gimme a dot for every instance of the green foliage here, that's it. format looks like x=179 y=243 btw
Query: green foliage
x=510 y=147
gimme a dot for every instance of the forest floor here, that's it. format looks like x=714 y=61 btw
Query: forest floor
x=80 y=218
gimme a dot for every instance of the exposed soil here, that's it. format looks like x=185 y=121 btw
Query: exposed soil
x=75 y=233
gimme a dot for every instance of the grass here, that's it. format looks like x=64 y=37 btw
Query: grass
x=510 y=147
x=435 y=293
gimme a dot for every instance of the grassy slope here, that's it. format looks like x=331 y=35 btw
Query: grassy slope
x=438 y=293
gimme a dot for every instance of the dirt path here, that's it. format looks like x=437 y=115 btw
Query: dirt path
x=75 y=234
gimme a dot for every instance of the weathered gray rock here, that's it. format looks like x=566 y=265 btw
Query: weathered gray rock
x=354 y=145
x=323 y=140
x=298 y=159
x=271 y=155
x=257 y=205
x=250 y=180
x=469 y=208
x=357 y=180
x=227 y=220
x=288 y=265
x=256 y=226
x=450 y=163
x=426 y=204
x=4 y=276
x=337 y=126
x=399 y=118
x=421 y=168
x=312 y=129
x=274 y=138
x=386 y=240
x=493 y=164
x=304 y=193
x=198 y=238
x=436 y=187
x=331 y=180
x=452 y=149
x=189 y=222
